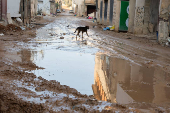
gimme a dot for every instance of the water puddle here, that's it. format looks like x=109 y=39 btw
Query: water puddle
x=121 y=81
x=65 y=60
x=81 y=66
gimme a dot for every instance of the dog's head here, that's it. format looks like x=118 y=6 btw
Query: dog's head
x=87 y=27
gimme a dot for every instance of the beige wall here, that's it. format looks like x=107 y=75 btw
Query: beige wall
x=132 y=5
x=164 y=23
x=34 y=4
x=81 y=8
x=116 y=14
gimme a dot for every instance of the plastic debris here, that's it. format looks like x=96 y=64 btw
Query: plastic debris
x=106 y=28
x=23 y=28
x=1 y=34
x=19 y=20
x=112 y=27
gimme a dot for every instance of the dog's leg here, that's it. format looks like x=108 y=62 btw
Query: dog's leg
x=82 y=35
x=87 y=34
x=77 y=34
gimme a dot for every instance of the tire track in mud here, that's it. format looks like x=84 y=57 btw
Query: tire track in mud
x=135 y=54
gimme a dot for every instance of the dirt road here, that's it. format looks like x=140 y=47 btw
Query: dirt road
x=47 y=70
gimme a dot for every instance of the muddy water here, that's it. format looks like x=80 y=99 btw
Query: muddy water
x=65 y=60
x=82 y=66
x=121 y=81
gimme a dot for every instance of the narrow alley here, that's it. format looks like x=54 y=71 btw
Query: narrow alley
x=46 y=70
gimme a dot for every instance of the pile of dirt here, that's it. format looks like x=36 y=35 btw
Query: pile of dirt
x=2 y=28
x=9 y=103
x=12 y=27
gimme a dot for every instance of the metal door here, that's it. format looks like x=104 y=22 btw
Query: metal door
x=111 y=11
x=124 y=16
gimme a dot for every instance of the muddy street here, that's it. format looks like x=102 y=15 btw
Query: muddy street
x=46 y=69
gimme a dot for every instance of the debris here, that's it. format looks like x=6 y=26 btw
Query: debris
x=1 y=34
x=90 y=17
x=84 y=42
x=129 y=38
x=168 y=41
x=106 y=28
x=2 y=28
x=62 y=37
x=19 y=20
x=12 y=27
x=112 y=27
x=23 y=28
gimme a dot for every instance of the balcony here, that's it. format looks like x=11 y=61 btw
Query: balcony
x=90 y=2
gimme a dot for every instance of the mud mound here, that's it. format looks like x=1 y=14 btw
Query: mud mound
x=12 y=27
x=11 y=104
x=2 y=28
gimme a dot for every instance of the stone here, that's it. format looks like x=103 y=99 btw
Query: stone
x=62 y=37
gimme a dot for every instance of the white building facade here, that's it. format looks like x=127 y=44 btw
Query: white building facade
x=44 y=6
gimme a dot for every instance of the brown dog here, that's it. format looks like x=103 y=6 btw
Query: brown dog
x=82 y=29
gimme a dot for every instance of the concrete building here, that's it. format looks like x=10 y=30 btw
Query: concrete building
x=59 y=2
x=143 y=16
x=3 y=10
x=90 y=7
x=78 y=7
x=84 y=7
x=52 y=7
x=46 y=6
x=34 y=4
x=13 y=8
x=164 y=21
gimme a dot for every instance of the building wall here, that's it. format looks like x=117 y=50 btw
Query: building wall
x=45 y=6
x=78 y=7
x=4 y=9
x=139 y=17
x=151 y=13
x=52 y=8
x=117 y=15
x=13 y=8
x=132 y=5
x=34 y=4
x=164 y=21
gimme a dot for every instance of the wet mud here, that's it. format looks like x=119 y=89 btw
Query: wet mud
x=40 y=72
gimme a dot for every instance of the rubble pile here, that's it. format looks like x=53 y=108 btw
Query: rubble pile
x=12 y=27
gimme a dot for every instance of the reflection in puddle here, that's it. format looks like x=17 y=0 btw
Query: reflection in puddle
x=120 y=81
